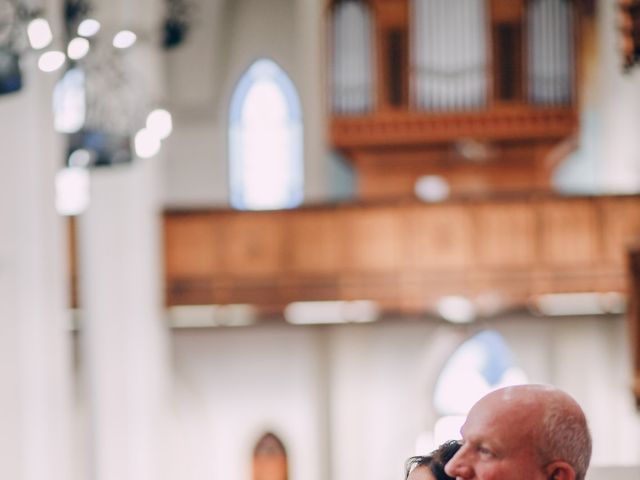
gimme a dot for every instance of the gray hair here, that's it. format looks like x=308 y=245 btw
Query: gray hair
x=564 y=435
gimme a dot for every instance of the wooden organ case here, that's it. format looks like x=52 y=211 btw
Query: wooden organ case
x=481 y=93
x=634 y=317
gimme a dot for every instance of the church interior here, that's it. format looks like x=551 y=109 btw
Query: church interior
x=298 y=239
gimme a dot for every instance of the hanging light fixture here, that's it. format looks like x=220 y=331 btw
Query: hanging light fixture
x=21 y=27
x=176 y=23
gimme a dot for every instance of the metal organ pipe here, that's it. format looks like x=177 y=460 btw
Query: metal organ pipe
x=352 y=72
x=449 y=54
x=550 y=39
x=436 y=51
x=466 y=74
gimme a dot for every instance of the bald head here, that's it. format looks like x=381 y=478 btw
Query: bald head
x=558 y=424
x=535 y=427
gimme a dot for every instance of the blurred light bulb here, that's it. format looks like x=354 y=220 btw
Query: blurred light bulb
x=456 y=309
x=160 y=123
x=80 y=158
x=431 y=188
x=51 y=61
x=88 y=27
x=78 y=48
x=72 y=191
x=124 y=39
x=147 y=144
x=39 y=33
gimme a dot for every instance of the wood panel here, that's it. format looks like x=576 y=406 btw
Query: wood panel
x=391 y=13
x=504 y=167
x=315 y=243
x=633 y=314
x=192 y=245
x=374 y=239
x=254 y=244
x=621 y=222
x=439 y=238
x=72 y=262
x=404 y=255
x=507 y=10
x=569 y=233
x=509 y=123
x=506 y=235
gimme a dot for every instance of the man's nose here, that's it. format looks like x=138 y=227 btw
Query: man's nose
x=458 y=467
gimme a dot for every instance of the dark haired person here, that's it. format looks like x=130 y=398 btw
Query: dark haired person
x=431 y=467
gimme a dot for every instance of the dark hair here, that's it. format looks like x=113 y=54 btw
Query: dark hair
x=435 y=461
x=417 y=461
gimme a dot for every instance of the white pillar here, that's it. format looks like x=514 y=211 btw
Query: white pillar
x=124 y=335
x=123 y=330
x=620 y=108
x=35 y=367
x=312 y=84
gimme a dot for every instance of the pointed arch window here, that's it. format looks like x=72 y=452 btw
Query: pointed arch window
x=270 y=459
x=265 y=140
x=480 y=365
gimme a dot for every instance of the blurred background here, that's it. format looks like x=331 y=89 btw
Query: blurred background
x=298 y=239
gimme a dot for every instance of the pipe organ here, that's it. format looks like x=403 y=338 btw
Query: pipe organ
x=480 y=92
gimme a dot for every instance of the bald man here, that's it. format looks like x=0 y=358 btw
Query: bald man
x=526 y=432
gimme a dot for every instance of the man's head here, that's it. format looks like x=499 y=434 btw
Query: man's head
x=526 y=432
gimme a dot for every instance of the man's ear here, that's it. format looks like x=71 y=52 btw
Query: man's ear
x=559 y=470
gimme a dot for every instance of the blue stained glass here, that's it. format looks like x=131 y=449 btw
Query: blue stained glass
x=265 y=140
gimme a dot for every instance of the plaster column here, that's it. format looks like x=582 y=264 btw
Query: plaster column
x=620 y=109
x=124 y=335
x=311 y=67
x=35 y=366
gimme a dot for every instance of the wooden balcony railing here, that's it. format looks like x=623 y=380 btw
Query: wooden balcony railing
x=404 y=255
x=634 y=318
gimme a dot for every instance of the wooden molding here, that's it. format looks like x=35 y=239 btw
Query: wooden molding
x=634 y=317
x=506 y=123
x=405 y=255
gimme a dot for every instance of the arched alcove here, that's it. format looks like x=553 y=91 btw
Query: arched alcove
x=269 y=459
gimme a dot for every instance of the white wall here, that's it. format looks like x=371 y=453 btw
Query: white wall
x=619 y=473
x=235 y=385
x=365 y=390
x=227 y=36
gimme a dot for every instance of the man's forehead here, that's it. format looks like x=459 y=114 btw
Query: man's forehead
x=500 y=417
x=512 y=401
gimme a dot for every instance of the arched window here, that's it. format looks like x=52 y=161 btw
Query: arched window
x=265 y=140
x=352 y=57
x=270 y=459
x=550 y=31
x=480 y=365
